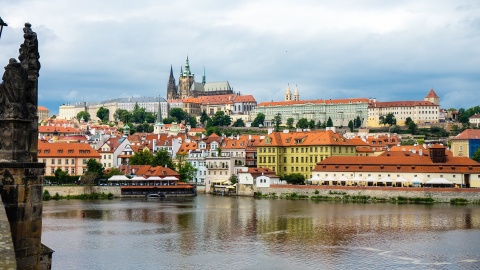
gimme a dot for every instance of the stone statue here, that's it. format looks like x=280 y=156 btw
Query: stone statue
x=18 y=102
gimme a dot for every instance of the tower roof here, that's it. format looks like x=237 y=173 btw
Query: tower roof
x=288 y=90
x=432 y=94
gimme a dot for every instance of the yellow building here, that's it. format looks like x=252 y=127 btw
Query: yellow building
x=298 y=152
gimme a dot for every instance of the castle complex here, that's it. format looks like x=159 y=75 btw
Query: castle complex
x=187 y=87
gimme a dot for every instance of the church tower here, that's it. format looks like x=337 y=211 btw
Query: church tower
x=288 y=94
x=159 y=127
x=185 y=81
x=296 y=96
x=171 y=87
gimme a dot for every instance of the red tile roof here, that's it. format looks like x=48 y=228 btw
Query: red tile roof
x=79 y=150
x=468 y=134
x=432 y=94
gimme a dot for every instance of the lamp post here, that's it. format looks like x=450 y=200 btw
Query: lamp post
x=2 y=24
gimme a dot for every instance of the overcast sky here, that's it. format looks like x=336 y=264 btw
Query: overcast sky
x=94 y=50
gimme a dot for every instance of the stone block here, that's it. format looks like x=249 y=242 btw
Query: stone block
x=36 y=195
x=29 y=262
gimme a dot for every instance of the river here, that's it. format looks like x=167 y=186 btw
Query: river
x=214 y=232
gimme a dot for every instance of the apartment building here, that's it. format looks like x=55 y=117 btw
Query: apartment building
x=70 y=157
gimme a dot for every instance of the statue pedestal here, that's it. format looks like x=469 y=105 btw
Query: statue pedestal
x=18 y=140
x=22 y=194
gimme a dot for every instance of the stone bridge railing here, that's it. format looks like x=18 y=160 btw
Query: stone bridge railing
x=7 y=251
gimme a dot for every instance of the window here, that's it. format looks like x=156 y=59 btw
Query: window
x=84 y=161
x=73 y=170
x=73 y=161
x=53 y=171
x=66 y=161
x=53 y=161
x=284 y=159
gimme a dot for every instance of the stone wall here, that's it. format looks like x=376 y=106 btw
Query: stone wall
x=22 y=199
x=79 y=190
x=7 y=251
x=438 y=194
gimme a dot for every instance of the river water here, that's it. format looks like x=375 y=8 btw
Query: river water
x=214 y=232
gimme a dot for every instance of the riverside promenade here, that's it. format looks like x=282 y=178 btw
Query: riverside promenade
x=7 y=251
x=438 y=194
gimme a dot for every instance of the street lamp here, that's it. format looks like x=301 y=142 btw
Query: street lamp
x=2 y=24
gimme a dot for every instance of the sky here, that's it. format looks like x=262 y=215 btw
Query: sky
x=95 y=50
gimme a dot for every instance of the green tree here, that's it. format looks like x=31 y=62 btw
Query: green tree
x=138 y=114
x=412 y=127
x=185 y=169
x=290 y=123
x=294 y=179
x=192 y=120
x=60 y=176
x=141 y=158
x=233 y=179
x=103 y=114
x=319 y=125
x=178 y=114
x=329 y=122
x=408 y=121
x=220 y=119
x=389 y=119
x=122 y=115
x=204 y=118
x=259 y=120
x=357 y=123
x=311 y=124
x=162 y=158
x=94 y=168
x=239 y=123
x=476 y=155
x=350 y=125
x=302 y=123
x=150 y=118
x=277 y=121
x=168 y=120
x=212 y=129
x=83 y=115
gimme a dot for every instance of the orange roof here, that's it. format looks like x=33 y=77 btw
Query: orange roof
x=307 y=138
x=79 y=150
x=191 y=100
x=403 y=162
x=316 y=101
x=244 y=98
x=186 y=147
x=59 y=129
x=468 y=134
x=41 y=108
x=217 y=99
x=432 y=94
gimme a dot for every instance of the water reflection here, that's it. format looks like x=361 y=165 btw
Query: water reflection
x=206 y=231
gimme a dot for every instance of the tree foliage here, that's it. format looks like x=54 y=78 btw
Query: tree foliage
x=204 y=118
x=60 y=176
x=178 y=114
x=389 y=119
x=192 y=120
x=162 y=158
x=294 y=179
x=220 y=120
x=350 y=125
x=259 y=120
x=357 y=123
x=329 y=122
x=83 y=115
x=141 y=158
x=476 y=155
x=185 y=169
x=290 y=123
x=302 y=123
x=94 y=169
x=239 y=123
x=277 y=121
x=113 y=171
x=311 y=124
x=103 y=114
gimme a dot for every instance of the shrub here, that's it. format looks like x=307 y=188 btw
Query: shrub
x=46 y=195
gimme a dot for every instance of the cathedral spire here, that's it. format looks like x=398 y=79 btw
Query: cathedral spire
x=204 y=78
x=171 y=88
x=187 y=68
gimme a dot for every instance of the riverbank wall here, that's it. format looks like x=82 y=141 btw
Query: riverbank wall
x=438 y=194
x=80 y=190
